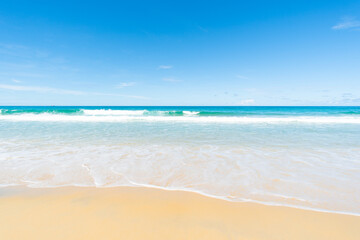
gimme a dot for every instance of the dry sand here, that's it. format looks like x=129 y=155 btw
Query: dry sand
x=142 y=213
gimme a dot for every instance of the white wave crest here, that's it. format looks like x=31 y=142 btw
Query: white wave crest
x=109 y=112
x=190 y=113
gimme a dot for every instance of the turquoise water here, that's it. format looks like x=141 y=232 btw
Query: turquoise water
x=306 y=157
x=200 y=111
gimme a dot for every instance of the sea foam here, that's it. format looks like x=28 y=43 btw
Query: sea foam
x=107 y=112
x=124 y=116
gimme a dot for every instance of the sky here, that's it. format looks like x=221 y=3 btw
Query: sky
x=228 y=53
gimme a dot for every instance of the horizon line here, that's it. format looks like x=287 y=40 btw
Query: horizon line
x=179 y=105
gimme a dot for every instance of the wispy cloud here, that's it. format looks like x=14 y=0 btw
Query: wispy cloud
x=16 y=81
x=39 y=89
x=170 y=79
x=17 y=65
x=165 y=67
x=348 y=99
x=125 y=84
x=23 y=74
x=347 y=23
x=12 y=46
x=24 y=51
x=241 y=77
x=63 y=91
x=247 y=102
x=118 y=95
x=256 y=91
x=202 y=28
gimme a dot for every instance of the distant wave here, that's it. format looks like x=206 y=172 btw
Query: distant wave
x=186 y=111
x=190 y=113
x=110 y=112
x=36 y=111
x=100 y=112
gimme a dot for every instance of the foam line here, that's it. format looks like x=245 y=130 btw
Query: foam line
x=45 y=117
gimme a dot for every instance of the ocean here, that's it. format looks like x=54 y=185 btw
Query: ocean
x=305 y=157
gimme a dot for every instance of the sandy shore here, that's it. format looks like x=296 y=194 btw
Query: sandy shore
x=140 y=213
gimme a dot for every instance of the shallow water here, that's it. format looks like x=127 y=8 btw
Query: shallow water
x=305 y=157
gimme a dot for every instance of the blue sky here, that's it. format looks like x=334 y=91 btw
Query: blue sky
x=180 y=52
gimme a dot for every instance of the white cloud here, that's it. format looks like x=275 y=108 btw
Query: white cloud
x=125 y=84
x=347 y=23
x=171 y=80
x=165 y=67
x=247 y=102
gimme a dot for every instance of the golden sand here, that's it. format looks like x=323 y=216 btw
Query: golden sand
x=140 y=213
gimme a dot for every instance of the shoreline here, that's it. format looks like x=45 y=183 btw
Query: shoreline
x=150 y=213
x=25 y=188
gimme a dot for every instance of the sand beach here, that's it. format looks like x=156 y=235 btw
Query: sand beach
x=143 y=213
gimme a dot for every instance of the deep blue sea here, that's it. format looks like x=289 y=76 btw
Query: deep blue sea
x=307 y=157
